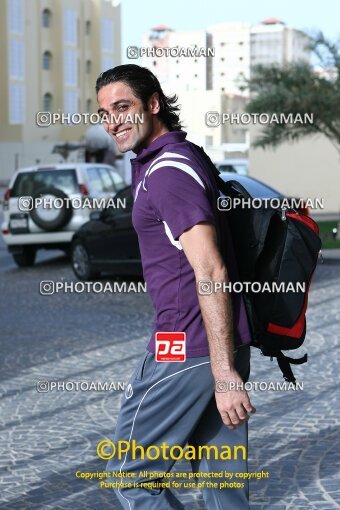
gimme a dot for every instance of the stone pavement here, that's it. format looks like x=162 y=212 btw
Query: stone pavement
x=46 y=437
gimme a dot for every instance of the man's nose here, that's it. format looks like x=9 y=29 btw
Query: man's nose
x=115 y=122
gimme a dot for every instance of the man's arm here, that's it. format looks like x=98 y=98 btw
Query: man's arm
x=201 y=249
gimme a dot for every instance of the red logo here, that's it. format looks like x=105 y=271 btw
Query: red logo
x=170 y=346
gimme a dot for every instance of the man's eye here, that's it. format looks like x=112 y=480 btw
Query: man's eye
x=123 y=107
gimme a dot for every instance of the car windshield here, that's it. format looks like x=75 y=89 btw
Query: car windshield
x=29 y=183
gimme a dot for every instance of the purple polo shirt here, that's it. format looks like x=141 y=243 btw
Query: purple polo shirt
x=173 y=190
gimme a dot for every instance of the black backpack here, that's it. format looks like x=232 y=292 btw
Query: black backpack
x=273 y=245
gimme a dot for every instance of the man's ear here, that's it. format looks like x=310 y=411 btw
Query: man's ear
x=153 y=103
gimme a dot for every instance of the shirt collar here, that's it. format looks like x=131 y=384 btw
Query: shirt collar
x=159 y=143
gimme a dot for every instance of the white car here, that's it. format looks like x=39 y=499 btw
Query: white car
x=70 y=188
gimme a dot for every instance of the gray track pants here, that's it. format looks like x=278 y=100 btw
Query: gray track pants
x=175 y=403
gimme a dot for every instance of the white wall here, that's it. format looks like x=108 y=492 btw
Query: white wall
x=309 y=168
x=26 y=154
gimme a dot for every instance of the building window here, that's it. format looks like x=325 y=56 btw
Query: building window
x=47 y=106
x=70 y=27
x=47 y=60
x=16 y=59
x=107 y=62
x=107 y=34
x=70 y=67
x=89 y=105
x=46 y=18
x=88 y=27
x=16 y=103
x=71 y=101
x=16 y=16
x=88 y=66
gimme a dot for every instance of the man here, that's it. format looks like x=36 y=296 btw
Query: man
x=181 y=237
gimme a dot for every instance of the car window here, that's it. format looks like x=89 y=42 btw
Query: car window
x=124 y=198
x=226 y=168
x=29 y=183
x=117 y=179
x=108 y=184
x=238 y=168
x=95 y=182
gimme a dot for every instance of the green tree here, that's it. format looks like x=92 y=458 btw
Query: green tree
x=296 y=88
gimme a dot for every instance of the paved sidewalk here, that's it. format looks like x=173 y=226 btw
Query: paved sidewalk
x=46 y=437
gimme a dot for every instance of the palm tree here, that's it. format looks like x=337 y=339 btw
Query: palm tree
x=296 y=88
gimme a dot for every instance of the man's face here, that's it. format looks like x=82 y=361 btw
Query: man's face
x=118 y=100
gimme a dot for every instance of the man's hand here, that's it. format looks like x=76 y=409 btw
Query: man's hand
x=232 y=400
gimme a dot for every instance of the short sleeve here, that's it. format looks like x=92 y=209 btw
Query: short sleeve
x=179 y=198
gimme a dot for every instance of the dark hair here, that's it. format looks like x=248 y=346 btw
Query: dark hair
x=144 y=83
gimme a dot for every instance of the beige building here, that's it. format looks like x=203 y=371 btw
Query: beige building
x=309 y=168
x=51 y=52
x=236 y=48
x=231 y=64
x=272 y=42
x=180 y=71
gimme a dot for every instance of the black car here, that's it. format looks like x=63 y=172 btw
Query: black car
x=108 y=242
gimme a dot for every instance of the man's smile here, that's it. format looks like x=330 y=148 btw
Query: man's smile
x=123 y=134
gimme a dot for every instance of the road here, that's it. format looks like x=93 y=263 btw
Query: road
x=47 y=436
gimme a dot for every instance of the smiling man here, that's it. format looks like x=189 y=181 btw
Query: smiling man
x=183 y=240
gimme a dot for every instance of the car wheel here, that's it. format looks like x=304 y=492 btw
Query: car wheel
x=53 y=218
x=81 y=264
x=25 y=257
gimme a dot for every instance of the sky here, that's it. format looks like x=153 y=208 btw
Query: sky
x=138 y=16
